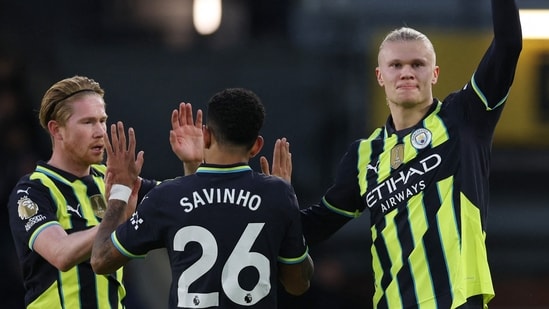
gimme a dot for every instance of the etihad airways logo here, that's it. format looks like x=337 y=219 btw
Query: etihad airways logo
x=402 y=185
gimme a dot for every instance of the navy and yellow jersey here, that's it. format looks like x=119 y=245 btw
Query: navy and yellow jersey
x=225 y=229
x=49 y=196
x=426 y=188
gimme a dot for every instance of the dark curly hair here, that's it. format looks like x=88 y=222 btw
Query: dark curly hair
x=235 y=116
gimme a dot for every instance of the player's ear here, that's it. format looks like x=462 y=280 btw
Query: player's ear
x=207 y=134
x=436 y=71
x=379 y=77
x=257 y=146
x=54 y=129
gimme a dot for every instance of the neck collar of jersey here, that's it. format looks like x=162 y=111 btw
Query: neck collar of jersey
x=390 y=126
x=223 y=169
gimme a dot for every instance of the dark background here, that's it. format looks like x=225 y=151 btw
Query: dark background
x=309 y=61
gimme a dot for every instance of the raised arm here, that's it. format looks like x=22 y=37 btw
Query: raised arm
x=186 y=137
x=123 y=169
x=496 y=71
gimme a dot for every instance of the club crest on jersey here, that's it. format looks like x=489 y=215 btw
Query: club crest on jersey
x=397 y=155
x=26 y=208
x=421 y=138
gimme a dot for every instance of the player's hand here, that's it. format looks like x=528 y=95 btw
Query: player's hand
x=133 y=200
x=123 y=166
x=282 y=161
x=186 y=136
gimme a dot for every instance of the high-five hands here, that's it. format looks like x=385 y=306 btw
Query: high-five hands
x=186 y=137
x=282 y=161
x=123 y=166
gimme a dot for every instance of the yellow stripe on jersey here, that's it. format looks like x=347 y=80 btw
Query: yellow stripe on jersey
x=81 y=193
x=483 y=97
x=395 y=255
x=364 y=152
x=476 y=272
x=102 y=288
x=58 y=198
x=450 y=234
x=296 y=260
x=424 y=286
x=349 y=214
x=49 y=299
x=70 y=287
x=440 y=133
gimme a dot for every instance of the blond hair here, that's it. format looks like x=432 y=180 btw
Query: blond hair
x=56 y=101
x=407 y=34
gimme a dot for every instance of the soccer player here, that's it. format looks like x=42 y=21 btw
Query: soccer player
x=424 y=175
x=230 y=232
x=55 y=210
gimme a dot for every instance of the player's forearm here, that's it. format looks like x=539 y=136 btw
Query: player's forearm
x=105 y=258
x=506 y=23
x=63 y=250
x=496 y=71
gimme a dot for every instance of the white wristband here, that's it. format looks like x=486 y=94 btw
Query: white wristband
x=120 y=192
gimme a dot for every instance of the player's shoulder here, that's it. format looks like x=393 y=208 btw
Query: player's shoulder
x=270 y=179
x=28 y=185
x=168 y=186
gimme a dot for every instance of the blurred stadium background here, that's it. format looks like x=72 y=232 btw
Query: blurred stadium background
x=312 y=63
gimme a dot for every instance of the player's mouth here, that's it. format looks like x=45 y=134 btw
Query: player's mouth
x=407 y=86
x=98 y=149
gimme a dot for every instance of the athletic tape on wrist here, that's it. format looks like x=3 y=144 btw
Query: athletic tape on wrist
x=120 y=192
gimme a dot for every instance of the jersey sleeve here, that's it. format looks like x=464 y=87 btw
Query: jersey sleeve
x=340 y=203
x=31 y=210
x=146 y=186
x=294 y=249
x=140 y=233
x=496 y=71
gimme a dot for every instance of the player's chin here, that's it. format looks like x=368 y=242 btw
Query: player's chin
x=96 y=158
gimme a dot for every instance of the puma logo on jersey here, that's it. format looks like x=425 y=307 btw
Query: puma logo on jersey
x=373 y=167
x=74 y=210
x=24 y=191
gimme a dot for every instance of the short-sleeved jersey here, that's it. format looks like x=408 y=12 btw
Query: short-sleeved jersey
x=426 y=188
x=225 y=229
x=49 y=196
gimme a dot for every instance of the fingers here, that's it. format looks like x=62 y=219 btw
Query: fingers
x=140 y=161
x=281 y=154
x=114 y=139
x=132 y=142
x=264 y=163
x=118 y=137
x=175 y=119
x=119 y=141
x=184 y=116
x=187 y=113
x=108 y=146
x=282 y=160
x=289 y=165
x=198 y=118
x=121 y=136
